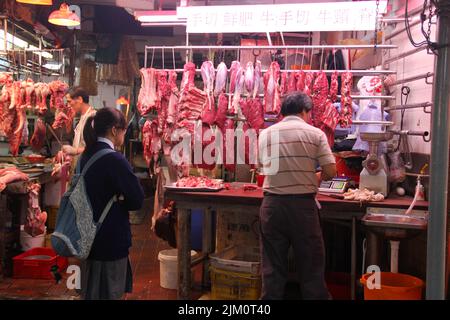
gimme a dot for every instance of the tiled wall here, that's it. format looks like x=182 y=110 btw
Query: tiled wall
x=416 y=64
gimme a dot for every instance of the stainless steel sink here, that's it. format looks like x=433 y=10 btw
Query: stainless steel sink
x=394 y=224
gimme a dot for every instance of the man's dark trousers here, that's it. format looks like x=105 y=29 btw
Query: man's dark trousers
x=287 y=220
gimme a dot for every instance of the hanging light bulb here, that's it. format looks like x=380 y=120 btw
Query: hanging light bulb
x=40 y=2
x=64 y=17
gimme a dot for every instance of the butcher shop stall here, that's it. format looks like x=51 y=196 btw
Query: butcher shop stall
x=198 y=83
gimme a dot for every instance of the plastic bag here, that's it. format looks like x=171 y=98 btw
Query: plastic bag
x=397 y=172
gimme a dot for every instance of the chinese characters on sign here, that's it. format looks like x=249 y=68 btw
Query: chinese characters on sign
x=332 y=16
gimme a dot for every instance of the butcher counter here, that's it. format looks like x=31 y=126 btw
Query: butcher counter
x=236 y=199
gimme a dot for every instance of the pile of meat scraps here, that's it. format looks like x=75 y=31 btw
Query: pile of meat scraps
x=199 y=182
x=363 y=195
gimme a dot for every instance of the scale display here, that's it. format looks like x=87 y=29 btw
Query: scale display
x=336 y=185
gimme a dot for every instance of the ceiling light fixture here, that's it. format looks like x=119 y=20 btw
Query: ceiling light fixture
x=39 y=2
x=64 y=17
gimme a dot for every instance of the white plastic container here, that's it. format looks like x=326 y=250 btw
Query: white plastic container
x=168 y=268
x=28 y=242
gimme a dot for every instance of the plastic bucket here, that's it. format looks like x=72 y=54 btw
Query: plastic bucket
x=28 y=242
x=168 y=268
x=394 y=286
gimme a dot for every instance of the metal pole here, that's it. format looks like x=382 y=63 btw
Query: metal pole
x=187 y=45
x=274 y=47
x=145 y=57
x=404 y=54
x=415 y=78
x=437 y=226
x=409 y=106
x=355 y=72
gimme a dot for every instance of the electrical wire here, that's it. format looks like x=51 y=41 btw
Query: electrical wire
x=408 y=29
x=406 y=90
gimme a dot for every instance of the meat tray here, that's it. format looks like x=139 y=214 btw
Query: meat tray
x=173 y=187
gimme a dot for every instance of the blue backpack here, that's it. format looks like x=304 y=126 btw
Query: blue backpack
x=75 y=228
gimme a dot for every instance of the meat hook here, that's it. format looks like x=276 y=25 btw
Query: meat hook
x=321 y=57
x=295 y=60
x=153 y=55
x=429 y=74
x=173 y=58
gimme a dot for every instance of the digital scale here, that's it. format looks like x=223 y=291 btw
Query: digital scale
x=335 y=185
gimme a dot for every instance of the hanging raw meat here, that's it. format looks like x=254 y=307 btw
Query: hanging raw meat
x=64 y=113
x=151 y=141
x=172 y=109
x=228 y=145
x=191 y=104
x=222 y=110
x=148 y=98
x=208 y=148
x=235 y=66
x=13 y=115
x=209 y=114
x=13 y=128
x=28 y=86
x=257 y=78
x=238 y=90
x=42 y=91
x=292 y=82
x=319 y=98
x=309 y=83
x=36 y=218
x=330 y=119
x=346 y=100
x=301 y=77
x=188 y=77
x=172 y=112
x=255 y=116
x=284 y=84
x=334 y=86
x=58 y=90
x=5 y=78
x=272 y=99
x=208 y=75
x=164 y=92
x=209 y=109
x=249 y=78
x=64 y=118
x=221 y=79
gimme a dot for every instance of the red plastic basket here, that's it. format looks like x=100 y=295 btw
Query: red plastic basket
x=24 y=267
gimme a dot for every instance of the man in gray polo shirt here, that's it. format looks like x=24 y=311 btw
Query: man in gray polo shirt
x=289 y=214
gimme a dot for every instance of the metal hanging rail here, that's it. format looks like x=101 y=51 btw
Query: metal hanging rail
x=414 y=78
x=404 y=55
x=355 y=72
x=192 y=47
x=410 y=133
x=305 y=47
x=409 y=106
x=363 y=122
x=371 y=97
x=352 y=96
